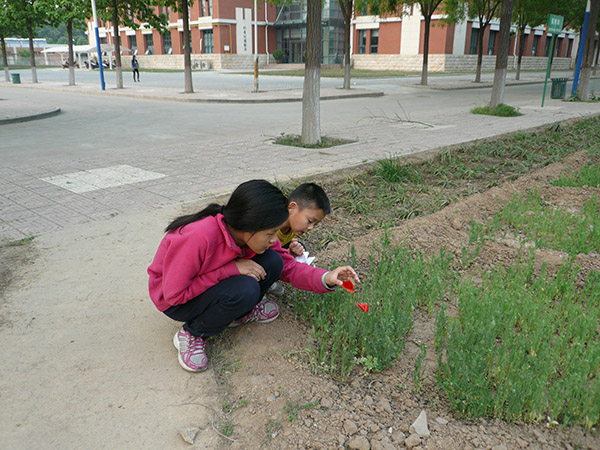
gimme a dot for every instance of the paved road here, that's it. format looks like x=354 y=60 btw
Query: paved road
x=175 y=152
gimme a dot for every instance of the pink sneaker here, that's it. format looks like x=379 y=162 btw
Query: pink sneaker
x=192 y=355
x=266 y=311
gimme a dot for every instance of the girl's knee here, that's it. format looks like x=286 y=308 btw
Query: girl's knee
x=272 y=263
x=245 y=294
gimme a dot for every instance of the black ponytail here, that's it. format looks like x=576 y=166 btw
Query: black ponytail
x=254 y=206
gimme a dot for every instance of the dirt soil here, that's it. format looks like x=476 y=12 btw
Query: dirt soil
x=272 y=376
x=87 y=362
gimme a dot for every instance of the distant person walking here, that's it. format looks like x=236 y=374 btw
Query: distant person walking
x=135 y=65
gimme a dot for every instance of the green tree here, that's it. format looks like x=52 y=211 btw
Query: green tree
x=483 y=10
x=72 y=13
x=183 y=7
x=130 y=13
x=346 y=6
x=427 y=8
x=28 y=16
x=6 y=29
x=527 y=13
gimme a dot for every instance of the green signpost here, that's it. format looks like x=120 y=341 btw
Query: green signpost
x=554 y=25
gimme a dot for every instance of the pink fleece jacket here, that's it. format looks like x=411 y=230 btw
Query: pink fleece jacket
x=194 y=258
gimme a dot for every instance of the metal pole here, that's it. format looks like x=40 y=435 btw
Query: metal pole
x=98 y=46
x=581 y=48
x=255 y=47
x=548 y=68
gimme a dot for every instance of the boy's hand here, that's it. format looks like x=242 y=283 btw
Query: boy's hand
x=251 y=269
x=296 y=248
x=338 y=276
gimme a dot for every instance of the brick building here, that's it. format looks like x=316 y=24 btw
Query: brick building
x=222 y=36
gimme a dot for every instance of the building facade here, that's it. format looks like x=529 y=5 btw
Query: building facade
x=224 y=34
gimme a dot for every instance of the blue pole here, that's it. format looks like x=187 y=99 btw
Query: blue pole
x=100 y=59
x=581 y=49
x=98 y=45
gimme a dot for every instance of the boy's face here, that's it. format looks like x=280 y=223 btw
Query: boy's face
x=302 y=220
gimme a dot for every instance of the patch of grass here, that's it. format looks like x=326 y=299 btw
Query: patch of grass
x=295 y=140
x=19 y=242
x=501 y=110
x=292 y=408
x=588 y=175
x=398 y=281
x=552 y=227
x=226 y=428
x=523 y=347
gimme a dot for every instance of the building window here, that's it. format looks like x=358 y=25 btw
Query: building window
x=569 y=48
x=149 y=44
x=473 y=43
x=547 y=45
x=374 y=41
x=210 y=7
x=492 y=42
x=558 y=45
x=202 y=8
x=362 y=42
x=534 y=48
x=167 y=46
x=133 y=44
x=207 y=40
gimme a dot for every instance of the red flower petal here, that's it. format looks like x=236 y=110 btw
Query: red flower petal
x=348 y=285
x=363 y=306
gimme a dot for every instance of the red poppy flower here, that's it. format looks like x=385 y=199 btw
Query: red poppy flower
x=348 y=285
x=363 y=306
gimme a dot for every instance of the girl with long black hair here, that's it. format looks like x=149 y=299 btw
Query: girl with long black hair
x=213 y=268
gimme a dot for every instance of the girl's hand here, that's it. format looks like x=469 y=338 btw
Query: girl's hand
x=296 y=248
x=251 y=269
x=338 y=276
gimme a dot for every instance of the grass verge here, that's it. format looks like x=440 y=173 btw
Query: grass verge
x=501 y=110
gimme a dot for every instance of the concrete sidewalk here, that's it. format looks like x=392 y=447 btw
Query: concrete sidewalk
x=45 y=195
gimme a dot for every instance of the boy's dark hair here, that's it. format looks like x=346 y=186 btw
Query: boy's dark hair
x=310 y=195
x=254 y=206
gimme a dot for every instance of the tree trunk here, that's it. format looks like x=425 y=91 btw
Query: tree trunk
x=187 y=51
x=117 y=46
x=479 y=51
x=502 y=56
x=346 y=7
x=34 y=78
x=4 y=57
x=71 y=56
x=521 y=51
x=425 y=69
x=597 y=56
x=588 y=54
x=311 y=120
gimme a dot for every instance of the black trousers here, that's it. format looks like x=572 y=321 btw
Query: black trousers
x=212 y=311
x=136 y=71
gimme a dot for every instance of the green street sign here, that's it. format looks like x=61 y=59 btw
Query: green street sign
x=554 y=24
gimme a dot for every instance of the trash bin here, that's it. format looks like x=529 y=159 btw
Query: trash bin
x=559 y=87
x=16 y=78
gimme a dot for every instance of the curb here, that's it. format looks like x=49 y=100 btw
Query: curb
x=27 y=118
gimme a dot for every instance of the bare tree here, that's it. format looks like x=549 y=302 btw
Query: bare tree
x=588 y=55
x=502 y=56
x=311 y=111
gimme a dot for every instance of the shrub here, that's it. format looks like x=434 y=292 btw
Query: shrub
x=278 y=55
